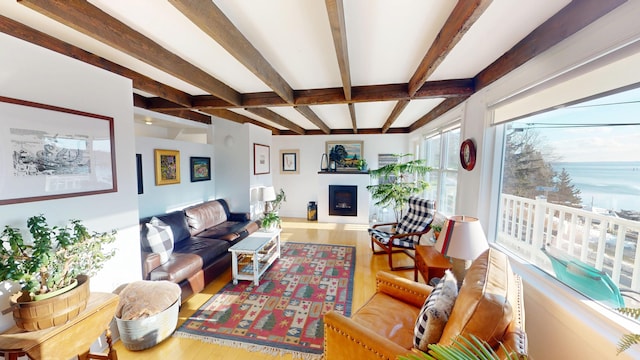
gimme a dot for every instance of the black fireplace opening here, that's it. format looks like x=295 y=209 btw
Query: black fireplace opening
x=343 y=200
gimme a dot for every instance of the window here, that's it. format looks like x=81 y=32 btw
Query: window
x=441 y=153
x=570 y=195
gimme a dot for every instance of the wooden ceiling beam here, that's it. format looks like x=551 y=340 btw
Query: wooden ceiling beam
x=400 y=106
x=90 y=20
x=463 y=16
x=438 y=111
x=140 y=82
x=210 y=19
x=315 y=119
x=239 y=118
x=276 y=118
x=189 y=115
x=352 y=112
x=566 y=22
x=335 y=10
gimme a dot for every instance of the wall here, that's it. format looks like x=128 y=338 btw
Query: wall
x=559 y=323
x=32 y=73
x=303 y=187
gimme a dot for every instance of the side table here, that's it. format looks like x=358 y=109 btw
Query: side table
x=68 y=340
x=430 y=263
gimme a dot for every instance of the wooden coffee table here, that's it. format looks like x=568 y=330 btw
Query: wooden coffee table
x=252 y=256
x=430 y=263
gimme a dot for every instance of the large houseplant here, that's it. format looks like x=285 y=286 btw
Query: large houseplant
x=54 y=257
x=397 y=182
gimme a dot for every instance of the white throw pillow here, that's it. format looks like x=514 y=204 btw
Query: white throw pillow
x=435 y=312
x=159 y=239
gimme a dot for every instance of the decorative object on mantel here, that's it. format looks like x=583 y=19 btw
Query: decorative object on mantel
x=324 y=163
x=397 y=182
x=462 y=240
x=345 y=154
x=468 y=154
x=55 y=259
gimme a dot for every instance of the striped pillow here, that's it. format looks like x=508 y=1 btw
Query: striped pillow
x=435 y=312
x=159 y=239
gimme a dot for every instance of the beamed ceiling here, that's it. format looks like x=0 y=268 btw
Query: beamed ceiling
x=303 y=66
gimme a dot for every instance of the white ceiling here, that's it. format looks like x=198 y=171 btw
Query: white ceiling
x=386 y=40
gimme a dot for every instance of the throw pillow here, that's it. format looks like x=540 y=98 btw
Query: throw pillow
x=159 y=239
x=435 y=312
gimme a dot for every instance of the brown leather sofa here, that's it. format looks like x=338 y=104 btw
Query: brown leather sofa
x=489 y=306
x=202 y=234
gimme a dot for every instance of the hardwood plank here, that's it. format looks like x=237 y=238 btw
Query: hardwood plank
x=276 y=118
x=90 y=20
x=295 y=230
x=397 y=110
x=210 y=19
x=335 y=9
x=313 y=117
x=566 y=22
x=463 y=16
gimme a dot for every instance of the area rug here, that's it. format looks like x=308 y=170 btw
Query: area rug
x=284 y=313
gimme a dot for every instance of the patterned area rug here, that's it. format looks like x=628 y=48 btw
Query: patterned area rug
x=284 y=313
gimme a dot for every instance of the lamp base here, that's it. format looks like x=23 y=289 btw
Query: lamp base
x=459 y=269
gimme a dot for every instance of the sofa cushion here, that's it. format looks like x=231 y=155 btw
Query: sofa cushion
x=229 y=230
x=435 y=312
x=159 y=239
x=179 y=267
x=207 y=249
x=482 y=307
x=178 y=223
x=204 y=216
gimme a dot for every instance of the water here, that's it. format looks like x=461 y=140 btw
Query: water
x=609 y=185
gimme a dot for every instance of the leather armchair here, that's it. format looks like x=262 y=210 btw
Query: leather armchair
x=489 y=306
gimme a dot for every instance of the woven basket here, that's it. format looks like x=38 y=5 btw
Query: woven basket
x=144 y=333
x=43 y=314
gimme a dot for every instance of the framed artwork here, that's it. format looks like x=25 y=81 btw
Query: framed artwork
x=48 y=152
x=200 y=168
x=139 y=172
x=167 y=164
x=468 y=154
x=344 y=154
x=289 y=161
x=261 y=160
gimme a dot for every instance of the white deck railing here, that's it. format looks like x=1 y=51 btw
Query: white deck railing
x=526 y=224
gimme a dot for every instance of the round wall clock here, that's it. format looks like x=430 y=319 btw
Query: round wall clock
x=468 y=154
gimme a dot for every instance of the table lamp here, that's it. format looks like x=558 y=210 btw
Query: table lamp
x=267 y=194
x=461 y=240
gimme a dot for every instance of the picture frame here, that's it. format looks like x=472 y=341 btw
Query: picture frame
x=167 y=166
x=200 y=168
x=468 y=154
x=49 y=152
x=139 y=173
x=346 y=153
x=261 y=159
x=289 y=161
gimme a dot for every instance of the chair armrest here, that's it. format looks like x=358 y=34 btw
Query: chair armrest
x=346 y=339
x=241 y=217
x=408 y=291
x=384 y=224
x=150 y=261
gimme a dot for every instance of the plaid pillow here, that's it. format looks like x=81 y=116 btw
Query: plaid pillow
x=435 y=312
x=159 y=239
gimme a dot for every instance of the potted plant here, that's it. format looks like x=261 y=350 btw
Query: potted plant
x=277 y=203
x=461 y=349
x=362 y=164
x=271 y=221
x=55 y=260
x=397 y=182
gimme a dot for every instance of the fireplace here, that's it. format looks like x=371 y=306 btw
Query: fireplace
x=343 y=200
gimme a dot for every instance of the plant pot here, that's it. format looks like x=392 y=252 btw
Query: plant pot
x=51 y=294
x=57 y=310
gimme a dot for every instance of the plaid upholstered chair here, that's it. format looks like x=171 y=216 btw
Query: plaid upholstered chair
x=415 y=223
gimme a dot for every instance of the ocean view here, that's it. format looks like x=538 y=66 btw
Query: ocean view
x=609 y=185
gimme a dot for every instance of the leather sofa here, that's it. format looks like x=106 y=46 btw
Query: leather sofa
x=202 y=236
x=489 y=306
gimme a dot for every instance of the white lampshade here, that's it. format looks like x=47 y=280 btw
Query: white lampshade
x=461 y=239
x=267 y=193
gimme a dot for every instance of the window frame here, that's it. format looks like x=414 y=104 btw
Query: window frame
x=442 y=171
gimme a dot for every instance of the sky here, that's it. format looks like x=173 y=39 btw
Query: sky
x=559 y=132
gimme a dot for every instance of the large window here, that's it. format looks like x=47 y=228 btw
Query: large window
x=570 y=195
x=440 y=149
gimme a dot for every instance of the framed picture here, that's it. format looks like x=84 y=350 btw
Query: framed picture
x=261 y=163
x=468 y=154
x=139 y=172
x=200 y=168
x=167 y=167
x=346 y=154
x=48 y=152
x=289 y=162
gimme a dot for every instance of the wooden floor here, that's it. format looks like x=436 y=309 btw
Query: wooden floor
x=294 y=230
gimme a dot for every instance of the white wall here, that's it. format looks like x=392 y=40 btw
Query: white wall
x=303 y=187
x=559 y=324
x=32 y=73
x=158 y=199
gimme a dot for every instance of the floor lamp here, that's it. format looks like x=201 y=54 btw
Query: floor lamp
x=461 y=240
